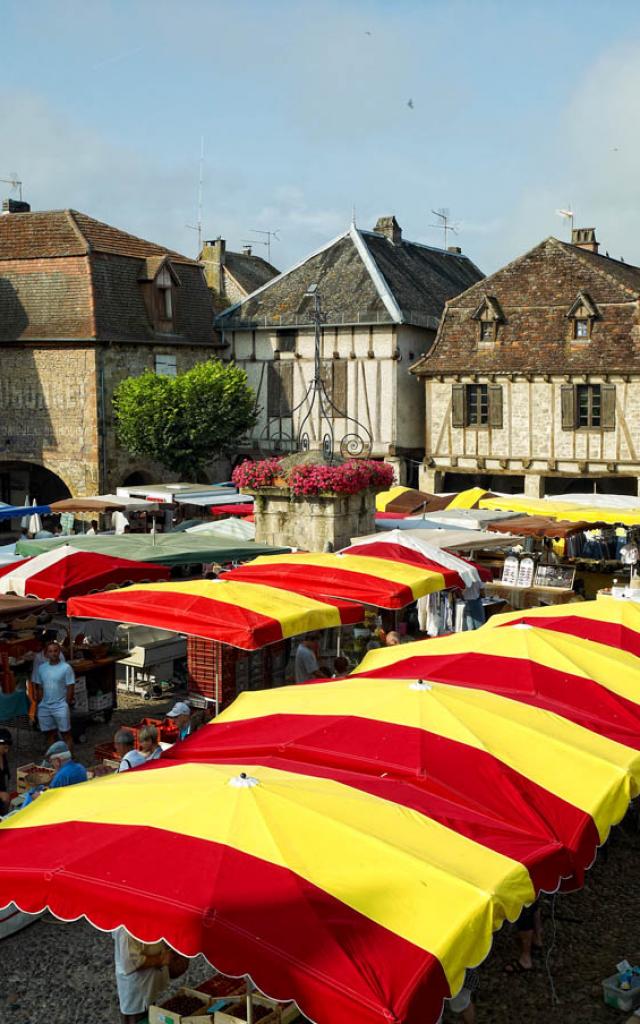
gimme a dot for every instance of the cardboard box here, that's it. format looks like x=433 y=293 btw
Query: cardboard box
x=29 y=775
x=265 y=1011
x=163 y=1015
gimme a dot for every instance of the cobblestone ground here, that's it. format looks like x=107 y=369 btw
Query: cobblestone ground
x=55 y=973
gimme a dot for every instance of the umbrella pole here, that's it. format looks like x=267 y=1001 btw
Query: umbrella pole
x=249 y=1001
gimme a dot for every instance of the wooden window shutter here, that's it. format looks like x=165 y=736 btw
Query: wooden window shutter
x=286 y=388
x=340 y=396
x=569 y=403
x=608 y=406
x=457 y=406
x=273 y=391
x=495 y=406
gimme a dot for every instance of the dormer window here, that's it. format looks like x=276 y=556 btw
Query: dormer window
x=159 y=282
x=581 y=316
x=489 y=316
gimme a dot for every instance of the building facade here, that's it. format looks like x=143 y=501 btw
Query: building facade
x=83 y=305
x=379 y=298
x=533 y=382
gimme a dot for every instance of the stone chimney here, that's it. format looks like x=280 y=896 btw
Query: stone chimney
x=455 y=249
x=389 y=227
x=212 y=255
x=585 y=238
x=15 y=206
x=247 y=250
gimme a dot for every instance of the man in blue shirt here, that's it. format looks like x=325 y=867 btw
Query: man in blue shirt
x=68 y=771
x=55 y=684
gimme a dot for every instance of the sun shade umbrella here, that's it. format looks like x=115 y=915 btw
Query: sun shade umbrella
x=607 y=621
x=244 y=615
x=65 y=572
x=162 y=548
x=392 y=581
x=589 y=684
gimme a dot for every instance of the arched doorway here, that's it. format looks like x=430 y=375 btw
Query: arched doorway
x=22 y=480
x=137 y=479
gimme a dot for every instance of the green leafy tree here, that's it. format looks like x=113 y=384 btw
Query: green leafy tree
x=186 y=421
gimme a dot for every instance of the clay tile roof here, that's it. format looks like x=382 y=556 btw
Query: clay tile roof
x=55 y=233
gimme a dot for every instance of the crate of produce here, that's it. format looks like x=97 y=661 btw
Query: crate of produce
x=29 y=775
x=620 y=998
x=185 y=1006
x=221 y=987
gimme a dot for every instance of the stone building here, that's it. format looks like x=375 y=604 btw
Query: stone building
x=533 y=382
x=381 y=298
x=232 y=276
x=83 y=305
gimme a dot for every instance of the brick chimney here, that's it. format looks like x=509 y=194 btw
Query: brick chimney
x=213 y=255
x=585 y=238
x=389 y=227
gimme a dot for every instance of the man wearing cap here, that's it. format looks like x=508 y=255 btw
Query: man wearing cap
x=68 y=771
x=54 y=693
x=180 y=715
x=6 y=740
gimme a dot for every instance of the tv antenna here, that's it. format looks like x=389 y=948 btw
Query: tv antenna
x=445 y=224
x=568 y=214
x=15 y=182
x=198 y=225
x=268 y=236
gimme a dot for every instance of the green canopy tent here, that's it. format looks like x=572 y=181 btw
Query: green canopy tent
x=163 y=548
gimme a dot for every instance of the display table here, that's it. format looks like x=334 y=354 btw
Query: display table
x=528 y=597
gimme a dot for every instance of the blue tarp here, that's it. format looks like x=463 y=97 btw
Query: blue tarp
x=17 y=512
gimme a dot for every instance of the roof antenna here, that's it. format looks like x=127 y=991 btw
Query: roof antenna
x=268 y=236
x=568 y=214
x=198 y=225
x=445 y=224
x=15 y=182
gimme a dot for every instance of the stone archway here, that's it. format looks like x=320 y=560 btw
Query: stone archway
x=20 y=479
x=138 y=478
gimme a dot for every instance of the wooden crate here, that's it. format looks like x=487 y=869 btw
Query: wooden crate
x=162 y=1015
x=265 y=1011
x=33 y=775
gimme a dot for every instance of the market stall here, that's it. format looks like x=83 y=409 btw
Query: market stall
x=218 y=616
x=164 y=548
x=315 y=868
x=65 y=572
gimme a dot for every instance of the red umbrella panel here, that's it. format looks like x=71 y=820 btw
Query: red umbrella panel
x=66 y=572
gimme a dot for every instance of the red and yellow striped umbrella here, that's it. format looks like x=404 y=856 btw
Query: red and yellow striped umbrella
x=352 y=845
x=607 y=621
x=245 y=615
x=391 y=579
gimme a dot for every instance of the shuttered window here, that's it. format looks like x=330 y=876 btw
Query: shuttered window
x=334 y=378
x=476 y=405
x=280 y=390
x=590 y=406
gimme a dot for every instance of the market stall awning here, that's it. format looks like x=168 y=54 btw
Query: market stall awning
x=163 y=548
x=566 y=510
x=102 y=503
x=352 y=845
x=20 y=607
x=245 y=615
x=468 y=499
x=581 y=681
x=404 y=547
x=18 y=511
x=606 y=621
x=384 y=582
x=539 y=526
x=66 y=572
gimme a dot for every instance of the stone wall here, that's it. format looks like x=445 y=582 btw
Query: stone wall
x=48 y=411
x=324 y=523
x=116 y=363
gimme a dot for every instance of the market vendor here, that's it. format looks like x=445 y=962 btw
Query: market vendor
x=6 y=741
x=141 y=974
x=55 y=683
x=67 y=771
x=180 y=716
x=306 y=664
x=45 y=637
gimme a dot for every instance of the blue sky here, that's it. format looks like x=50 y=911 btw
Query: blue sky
x=518 y=108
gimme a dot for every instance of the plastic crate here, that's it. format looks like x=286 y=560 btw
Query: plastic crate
x=105 y=751
x=621 y=999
